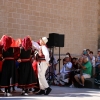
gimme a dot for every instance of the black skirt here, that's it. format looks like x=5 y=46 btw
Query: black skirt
x=8 y=74
x=27 y=78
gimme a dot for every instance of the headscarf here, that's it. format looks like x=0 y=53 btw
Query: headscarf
x=18 y=42
x=13 y=43
x=6 y=41
x=26 y=43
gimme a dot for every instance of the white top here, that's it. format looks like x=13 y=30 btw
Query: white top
x=44 y=50
x=93 y=61
x=68 y=65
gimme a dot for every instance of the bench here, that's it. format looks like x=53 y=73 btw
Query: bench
x=89 y=83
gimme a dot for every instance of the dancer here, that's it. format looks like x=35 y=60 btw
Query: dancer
x=8 y=74
x=27 y=77
x=43 y=63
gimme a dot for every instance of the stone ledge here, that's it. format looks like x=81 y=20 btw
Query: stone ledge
x=89 y=83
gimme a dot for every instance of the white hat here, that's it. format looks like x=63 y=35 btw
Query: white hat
x=67 y=56
x=45 y=40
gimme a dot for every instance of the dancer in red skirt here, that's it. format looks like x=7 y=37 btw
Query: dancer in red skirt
x=8 y=74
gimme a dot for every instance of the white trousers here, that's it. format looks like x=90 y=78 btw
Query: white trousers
x=42 y=67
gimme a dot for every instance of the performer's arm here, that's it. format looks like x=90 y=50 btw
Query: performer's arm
x=36 y=45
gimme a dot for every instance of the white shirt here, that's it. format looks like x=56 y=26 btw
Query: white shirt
x=68 y=65
x=44 y=50
x=93 y=61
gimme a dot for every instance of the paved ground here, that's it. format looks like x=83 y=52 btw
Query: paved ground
x=59 y=93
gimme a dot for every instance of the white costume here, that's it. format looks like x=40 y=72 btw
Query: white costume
x=42 y=64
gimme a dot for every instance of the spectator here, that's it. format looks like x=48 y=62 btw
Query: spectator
x=92 y=59
x=84 y=53
x=88 y=51
x=98 y=58
x=97 y=76
x=97 y=69
x=75 y=69
x=86 y=71
x=69 y=56
x=66 y=69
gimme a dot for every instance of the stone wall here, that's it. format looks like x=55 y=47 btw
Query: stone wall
x=77 y=19
x=99 y=25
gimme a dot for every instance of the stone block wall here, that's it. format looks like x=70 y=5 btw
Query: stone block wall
x=77 y=19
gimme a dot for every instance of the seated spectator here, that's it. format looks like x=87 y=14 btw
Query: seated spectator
x=88 y=55
x=98 y=58
x=86 y=69
x=64 y=72
x=75 y=69
x=88 y=51
x=97 y=76
x=65 y=57
x=84 y=52
x=92 y=59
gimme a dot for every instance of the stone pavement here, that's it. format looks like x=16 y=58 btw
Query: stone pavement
x=59 y=93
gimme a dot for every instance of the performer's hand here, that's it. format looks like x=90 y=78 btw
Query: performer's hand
x=0 y=55
x=19 y=60
x=2 y=60
x=48 y=64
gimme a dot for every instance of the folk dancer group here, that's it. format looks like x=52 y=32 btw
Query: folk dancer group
x=30 y=72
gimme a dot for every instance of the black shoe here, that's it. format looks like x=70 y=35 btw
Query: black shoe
x=36 y=90
x=48 y=90
x=30 y=90
x=80 y=86
x=41 y=92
